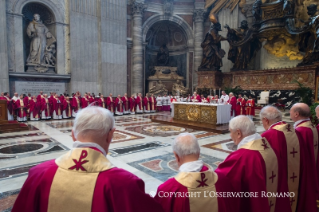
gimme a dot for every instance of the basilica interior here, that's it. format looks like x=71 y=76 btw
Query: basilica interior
x=264 y=50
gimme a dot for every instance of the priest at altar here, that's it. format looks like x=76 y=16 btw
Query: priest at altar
x=290 y=150
x=10 y=104
x=224 y=97
x=232 y=101
x=152 y=101
x=254 y=168
x=139 y=103
x=197 y=178
x=196 y=98
x=300 y=114
x=250 y=107
x=119 y=106
x=110 y=103
x=126 y=104
x=83 y=179
x=240 y=105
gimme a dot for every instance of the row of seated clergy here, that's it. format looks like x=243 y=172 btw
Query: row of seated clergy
x=258 y=173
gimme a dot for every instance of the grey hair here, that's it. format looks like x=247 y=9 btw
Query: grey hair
x=93 y=121
x=244 y=124
x=186 y=144
x=231 y=93
x=271 y=113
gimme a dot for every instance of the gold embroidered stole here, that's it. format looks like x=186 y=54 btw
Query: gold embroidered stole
x=270 y=158
x=293 y=160
x=203 y=182
x=73 y=185
x=309 y=125
x=103 y=104
x=47 y=104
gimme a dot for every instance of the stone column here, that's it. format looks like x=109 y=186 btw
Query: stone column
x=4 y=70
x=199 y=36
x=137 y=50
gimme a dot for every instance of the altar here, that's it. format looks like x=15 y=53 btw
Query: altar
x=201 y=112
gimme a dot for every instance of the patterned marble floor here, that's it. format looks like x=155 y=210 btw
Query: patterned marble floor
x=139 y=146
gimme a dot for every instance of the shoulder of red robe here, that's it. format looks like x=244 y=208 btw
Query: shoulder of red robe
x=84 y=160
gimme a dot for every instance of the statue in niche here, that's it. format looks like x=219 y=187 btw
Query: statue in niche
x=159 y=88
x=41 y=48
x=163 y=56
x=309 y=38
x=243 y=46
x=212 y=51
x=257 y=12
x=179 y=89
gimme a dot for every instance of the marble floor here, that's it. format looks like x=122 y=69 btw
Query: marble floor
x=139 y=146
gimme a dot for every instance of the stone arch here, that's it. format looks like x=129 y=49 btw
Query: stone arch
x=19 y=5
x=176 y=19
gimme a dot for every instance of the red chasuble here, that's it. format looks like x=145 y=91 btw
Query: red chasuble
x=309 y=135
x=34 y=108
x=56 y=106
x=66 y=106
x=83 y=180
x=21 y=110
x=46 y=107
x=290 y=150
x=250 y=107
x=201 y=187
x=254 y=168
x=132 y=104
x=76 y=104
x=110 y=104
x=146 y=103
x=152 y=102
x=240 y=106
x=119 y=105
x=85 y=102
x=197 y=98
x=139 y=103
x=26 y=102
x=101 y=102
x=232 y=101
x=126 y=103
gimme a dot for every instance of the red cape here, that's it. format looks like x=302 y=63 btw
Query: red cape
x=240 y=106
x=232 y=101
x=132 y=104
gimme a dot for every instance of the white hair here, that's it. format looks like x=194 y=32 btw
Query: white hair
x=231 y=93
x=244 y=124
x=186 y=144
x=271 y=113
x=93 y=121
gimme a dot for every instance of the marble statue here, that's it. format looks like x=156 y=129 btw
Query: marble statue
x=241 y=54
x=41 y=43
x=309 y=38
x=179 y=89
x=212 y=51
x=163 y=56
x=159 y=88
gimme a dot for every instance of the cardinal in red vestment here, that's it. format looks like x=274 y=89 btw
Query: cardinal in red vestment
x=232 y=101
x=83 y=179
x=90 y=98
x=85 y=101
x=240 y=105
x=34 y=109
x=146 y=103
x=139 y=103
x=10 y=105
x=40 y=96
x=26 y=102
x=101 y=101
x=110 y=103
x=193 y=187
x=196 y=98
x=66 y=108
x=254 y=168
x=152 y=101
x=56 y=107
x=126 y=104
x=289 y=148
x=132 y=104
x=75 y=104
x=250 y=108
x=119 y=106
x=45 y=107
x=21 y=109
x=300 y=114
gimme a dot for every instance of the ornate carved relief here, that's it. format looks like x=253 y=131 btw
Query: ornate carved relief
x=138 y=8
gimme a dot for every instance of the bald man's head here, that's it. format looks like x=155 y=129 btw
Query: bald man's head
x=299 y=111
